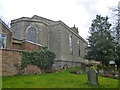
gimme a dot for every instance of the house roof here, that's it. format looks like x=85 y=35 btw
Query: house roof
x=3 y=23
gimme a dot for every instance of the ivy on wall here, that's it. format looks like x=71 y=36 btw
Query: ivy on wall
x=42 y=58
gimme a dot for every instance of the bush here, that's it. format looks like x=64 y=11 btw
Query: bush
x=41 y=58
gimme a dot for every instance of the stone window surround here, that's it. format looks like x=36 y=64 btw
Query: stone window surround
x=70 y=45
x=29 y=28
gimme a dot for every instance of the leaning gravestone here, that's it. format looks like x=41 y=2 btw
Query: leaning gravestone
x=92 y=76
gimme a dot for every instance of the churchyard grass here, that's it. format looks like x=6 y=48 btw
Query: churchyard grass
x=56 y=80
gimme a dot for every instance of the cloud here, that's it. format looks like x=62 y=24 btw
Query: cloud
x=78 y=12
x=2 y=10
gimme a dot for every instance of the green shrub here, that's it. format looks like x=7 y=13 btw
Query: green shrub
x=41 y=58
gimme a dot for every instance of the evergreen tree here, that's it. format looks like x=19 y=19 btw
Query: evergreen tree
x=116 y=29
x=117 y=60
x=101 y=42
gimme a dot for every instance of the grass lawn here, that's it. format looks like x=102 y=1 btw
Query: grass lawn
x=56 y=80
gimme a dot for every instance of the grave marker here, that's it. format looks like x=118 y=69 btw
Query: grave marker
x=92 y=76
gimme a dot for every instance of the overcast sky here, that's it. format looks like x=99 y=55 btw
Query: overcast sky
x=78 y=12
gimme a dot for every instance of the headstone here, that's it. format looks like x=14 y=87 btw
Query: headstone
x=92 y=76
x=119 y=73
x=119 y=77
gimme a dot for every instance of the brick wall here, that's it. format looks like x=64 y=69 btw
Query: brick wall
x=13 y=58
x=26 y=46
x=10 y=58
x=29 y=46
x=17 y=46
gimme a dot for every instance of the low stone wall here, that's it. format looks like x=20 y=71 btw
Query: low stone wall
x=13 y=58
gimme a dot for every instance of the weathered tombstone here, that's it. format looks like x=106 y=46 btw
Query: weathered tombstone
x=119 y=78
x=119 y=73
x=92 y=76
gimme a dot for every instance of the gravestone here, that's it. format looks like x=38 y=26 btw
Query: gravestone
x=119 y=73
x=119 y=78
x=92 y=76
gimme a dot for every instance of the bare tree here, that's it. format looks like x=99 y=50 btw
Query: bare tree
x=116 y=16
x=5 y=21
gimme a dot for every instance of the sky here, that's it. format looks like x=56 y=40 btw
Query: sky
x=78 y=12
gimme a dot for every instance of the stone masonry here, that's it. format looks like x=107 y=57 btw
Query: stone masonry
x=54 y=35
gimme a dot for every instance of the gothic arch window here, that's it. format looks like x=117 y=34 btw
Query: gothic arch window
x=70 y=44
x=32 y=34
x=78 y=48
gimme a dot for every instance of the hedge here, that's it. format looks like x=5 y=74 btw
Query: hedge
x=41 y=58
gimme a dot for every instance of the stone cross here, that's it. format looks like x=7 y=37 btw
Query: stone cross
x=92 y=76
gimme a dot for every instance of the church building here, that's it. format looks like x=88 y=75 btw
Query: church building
x=65 y=41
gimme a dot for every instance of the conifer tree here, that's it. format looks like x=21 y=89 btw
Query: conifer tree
x=101 y=44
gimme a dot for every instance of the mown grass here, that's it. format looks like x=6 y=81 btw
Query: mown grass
x=56 y=80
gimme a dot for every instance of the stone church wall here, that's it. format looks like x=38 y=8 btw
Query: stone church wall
x=55 y=35
x=20 y=27
x=66 y=57
x=55 y=41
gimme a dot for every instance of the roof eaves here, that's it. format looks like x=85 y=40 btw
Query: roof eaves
x=5 y=25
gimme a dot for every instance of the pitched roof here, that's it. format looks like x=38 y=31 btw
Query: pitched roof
x=3 y=23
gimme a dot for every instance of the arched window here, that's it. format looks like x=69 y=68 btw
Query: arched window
x=70 y=44
x=32 y=34
x=78 y=48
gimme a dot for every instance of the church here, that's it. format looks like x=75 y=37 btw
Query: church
x=63 y=40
